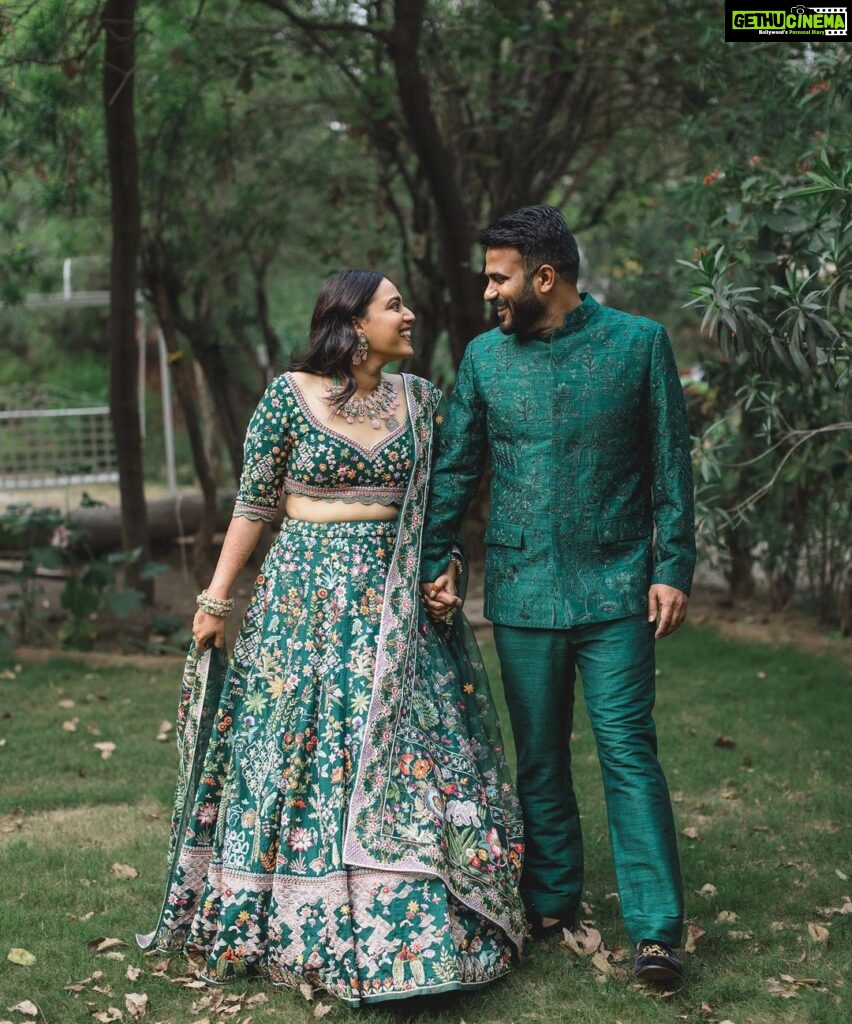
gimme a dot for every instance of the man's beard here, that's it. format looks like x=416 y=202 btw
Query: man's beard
x=526 y=311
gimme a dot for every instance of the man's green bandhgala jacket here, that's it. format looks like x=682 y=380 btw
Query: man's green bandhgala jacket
x=591 y=494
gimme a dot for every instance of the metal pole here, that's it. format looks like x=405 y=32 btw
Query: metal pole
x=168 y=416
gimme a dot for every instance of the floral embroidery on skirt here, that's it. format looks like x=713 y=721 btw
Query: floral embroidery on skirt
x=270 y=749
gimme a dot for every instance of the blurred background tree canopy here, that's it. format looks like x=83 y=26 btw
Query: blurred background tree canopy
x=709 y=185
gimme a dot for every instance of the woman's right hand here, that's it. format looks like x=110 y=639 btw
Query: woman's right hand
x=207 y=627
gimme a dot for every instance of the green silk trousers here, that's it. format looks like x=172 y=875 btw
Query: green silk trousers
x=616 y=662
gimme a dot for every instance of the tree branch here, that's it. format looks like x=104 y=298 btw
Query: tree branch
x=314 y=25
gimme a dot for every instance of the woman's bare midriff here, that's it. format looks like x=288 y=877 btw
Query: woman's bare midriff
x=298 y=506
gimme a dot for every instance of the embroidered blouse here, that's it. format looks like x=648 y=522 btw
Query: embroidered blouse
x=288 y=449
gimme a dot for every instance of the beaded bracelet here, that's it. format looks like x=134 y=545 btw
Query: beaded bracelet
x=213 y=606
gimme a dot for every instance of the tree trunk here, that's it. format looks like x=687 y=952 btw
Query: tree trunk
x=181 y=366
x=119 y=71
x=439 y=163
x=740 y=570
x=270 y=338
x=231 y=421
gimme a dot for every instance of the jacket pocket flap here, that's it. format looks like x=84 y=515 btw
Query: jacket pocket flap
x=623 y=528
x=507 y=534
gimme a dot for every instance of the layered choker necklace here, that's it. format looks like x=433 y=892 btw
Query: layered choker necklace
x=377 y=407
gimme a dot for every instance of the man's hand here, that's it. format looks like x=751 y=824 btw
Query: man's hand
x=666 y=607
x=440 y=596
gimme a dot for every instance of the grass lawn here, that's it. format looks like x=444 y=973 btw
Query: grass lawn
x=770 y=809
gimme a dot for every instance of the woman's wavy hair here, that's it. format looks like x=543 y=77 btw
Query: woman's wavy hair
x=344 y=297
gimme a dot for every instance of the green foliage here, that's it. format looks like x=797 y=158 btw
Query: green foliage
x=45 y=539
x=771 y=280
x=800 y=253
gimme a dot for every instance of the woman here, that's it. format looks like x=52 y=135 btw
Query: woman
x=344 y=815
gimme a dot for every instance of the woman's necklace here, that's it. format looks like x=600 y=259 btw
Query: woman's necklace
x=378 y=407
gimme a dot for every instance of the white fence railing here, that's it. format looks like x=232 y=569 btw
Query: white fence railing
x=56 y=447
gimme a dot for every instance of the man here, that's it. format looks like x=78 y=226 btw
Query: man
x=582 y=409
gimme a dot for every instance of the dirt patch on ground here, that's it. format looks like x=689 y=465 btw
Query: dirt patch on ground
x=753 y=624
x=104 y=827
x=100 y=659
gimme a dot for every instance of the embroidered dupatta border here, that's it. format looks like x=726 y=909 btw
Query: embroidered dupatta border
x=367 y=844
x=201 y=689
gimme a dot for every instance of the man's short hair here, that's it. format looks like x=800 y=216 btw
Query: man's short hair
x=541 y=235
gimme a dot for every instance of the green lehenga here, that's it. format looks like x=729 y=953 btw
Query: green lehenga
x=344 y=815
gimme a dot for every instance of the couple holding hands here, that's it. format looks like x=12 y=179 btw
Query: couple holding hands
x=344 y=816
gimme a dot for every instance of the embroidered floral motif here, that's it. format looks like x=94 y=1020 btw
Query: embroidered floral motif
x=288 y=449
x=590 y=448
x=279 y=755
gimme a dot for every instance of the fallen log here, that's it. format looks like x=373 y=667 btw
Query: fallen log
x=168 y=518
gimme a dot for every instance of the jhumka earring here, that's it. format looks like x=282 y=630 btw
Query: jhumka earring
x=361 y=350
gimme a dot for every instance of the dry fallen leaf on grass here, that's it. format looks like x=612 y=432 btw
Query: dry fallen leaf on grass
x=136 y=1004
x=321 y=1009
x=844 y=909
x=740 y=936
x=726 y=917
x=588 y=938
x=256 y=1000
x=124 y=871
x=133 y=974
x=27 y=1008
x=570 y=943
x=602 y=963
x=71 y=725
x=307 y=991
x=787 y=987
x=21 y=957
x=106 y=748
x=817 y=932
x=724 y=743
x=840 y=875
x=107 y=1016
x=104 y=944
x=691 y=832
x=164 y=730
x=185 y=981
x=708 y=890
x=694 y=934
x=66 y=704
